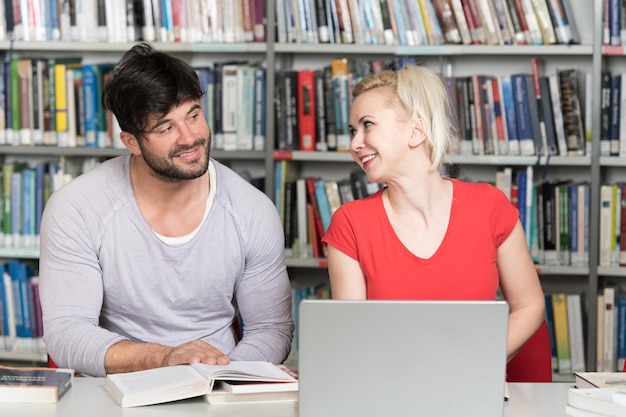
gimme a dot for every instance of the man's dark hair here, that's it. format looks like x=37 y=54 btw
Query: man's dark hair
x=147 y=82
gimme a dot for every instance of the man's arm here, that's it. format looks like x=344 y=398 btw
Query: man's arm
x=264 y=293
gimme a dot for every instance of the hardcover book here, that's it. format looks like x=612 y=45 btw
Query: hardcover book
x=34 y=385
x=171 y=383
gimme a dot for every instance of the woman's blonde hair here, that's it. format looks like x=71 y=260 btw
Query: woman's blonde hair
x=421 y=93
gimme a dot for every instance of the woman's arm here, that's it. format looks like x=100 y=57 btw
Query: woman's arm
x=521 y=289
x=347 y=281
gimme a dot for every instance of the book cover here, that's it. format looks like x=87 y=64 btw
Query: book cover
x=522 y=114
x=572 y=113
x=34 y=385
x=160 y=385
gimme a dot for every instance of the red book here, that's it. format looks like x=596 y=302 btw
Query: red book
x=306 y=109
x=318 y=228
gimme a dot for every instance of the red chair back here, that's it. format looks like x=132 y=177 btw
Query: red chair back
x=533 y=363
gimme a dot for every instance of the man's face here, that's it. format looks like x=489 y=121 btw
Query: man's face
x=177 y=146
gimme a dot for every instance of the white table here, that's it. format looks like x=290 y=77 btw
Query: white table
x=87 y=398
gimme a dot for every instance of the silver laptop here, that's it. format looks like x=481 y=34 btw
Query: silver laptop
x=402 y=358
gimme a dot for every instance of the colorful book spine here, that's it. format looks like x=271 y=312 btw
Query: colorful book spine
x=561 y=333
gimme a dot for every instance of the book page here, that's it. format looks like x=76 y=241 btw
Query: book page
x=244 y=371
x=155 y=379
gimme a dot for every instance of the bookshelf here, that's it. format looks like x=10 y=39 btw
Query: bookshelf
x=455 y=60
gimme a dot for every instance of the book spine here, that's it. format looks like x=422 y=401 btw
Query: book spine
x=561 y=333
x=306 y=110
x=260 y=94
x=245 y=105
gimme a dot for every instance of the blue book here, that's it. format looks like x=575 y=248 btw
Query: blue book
x=260 y=94
x=322 y=203
x=614 y=114
x=522 y=115
x=621 y=331
x=509 y=114
x=4 y=305
x=40 y=179
x=21 y=298
x=90 y=99
x=207 y=79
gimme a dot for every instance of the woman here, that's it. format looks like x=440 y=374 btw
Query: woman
x=425 y=236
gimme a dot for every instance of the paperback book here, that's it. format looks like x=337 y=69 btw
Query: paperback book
x=172 y=383
x=34 y=385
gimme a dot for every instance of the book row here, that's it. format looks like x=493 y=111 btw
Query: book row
x=425 y=22
x=613 y=224
x=57 y=102
x=563 y=316
x=20 y=311
x=525 y=113
x=555 y=214
x=611 y=329
x=306 y=206
x=24 y=193
x=210 y=21
x=613 y=114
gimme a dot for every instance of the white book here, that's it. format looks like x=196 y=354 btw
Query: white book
x=557 y=113
x=230 y=101
x=532 y=22
x=148 y=30
x=576 y=340
x=302 y=218
x=71 y=109
x=245 y=106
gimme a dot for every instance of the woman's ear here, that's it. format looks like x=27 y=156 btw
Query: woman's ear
x=417 y=134
x=130 y=141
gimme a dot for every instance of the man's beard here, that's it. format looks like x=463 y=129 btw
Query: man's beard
x=164 y=169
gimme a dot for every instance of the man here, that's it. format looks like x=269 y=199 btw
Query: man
x=146 y=259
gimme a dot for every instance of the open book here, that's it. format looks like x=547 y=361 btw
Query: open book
x=172 y=383
x=600 y=379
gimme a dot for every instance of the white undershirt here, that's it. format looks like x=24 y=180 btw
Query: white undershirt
x=180 y=240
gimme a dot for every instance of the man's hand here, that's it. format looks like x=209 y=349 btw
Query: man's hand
x=127 y=356
x=196 y=351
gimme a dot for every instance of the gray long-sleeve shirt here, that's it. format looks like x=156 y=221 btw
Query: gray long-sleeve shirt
x=106 y=277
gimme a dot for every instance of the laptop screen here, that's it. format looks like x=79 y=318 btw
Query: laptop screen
x=402 y=358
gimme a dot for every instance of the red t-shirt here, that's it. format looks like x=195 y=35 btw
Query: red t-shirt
x=462 y=268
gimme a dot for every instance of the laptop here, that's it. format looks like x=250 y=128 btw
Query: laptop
x=402 y=358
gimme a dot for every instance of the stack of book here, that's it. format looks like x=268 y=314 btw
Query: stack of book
x=597 y=394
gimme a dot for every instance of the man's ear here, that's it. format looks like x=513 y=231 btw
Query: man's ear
x=130 y=141
x=417 y=134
